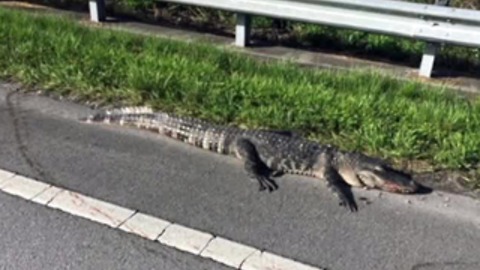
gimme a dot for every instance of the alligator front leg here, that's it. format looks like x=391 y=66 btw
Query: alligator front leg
x=254 y=166
x=343 y=192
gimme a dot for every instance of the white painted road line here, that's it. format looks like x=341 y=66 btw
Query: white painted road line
x=267 y=261
x=144 y=225
x=185 y=239
x=177 y=236
x=23 y=187
x=47 y=195
x=4 y=176
x=93 y=209
x=228 y=252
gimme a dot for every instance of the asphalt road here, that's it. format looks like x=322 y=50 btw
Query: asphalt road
x=36 y=237
x=209 y=192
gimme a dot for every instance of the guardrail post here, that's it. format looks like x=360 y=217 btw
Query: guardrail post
x=428 y=58
x=242 y=30
x=97 y=10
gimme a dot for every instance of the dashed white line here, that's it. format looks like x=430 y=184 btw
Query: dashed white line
x=193 y=241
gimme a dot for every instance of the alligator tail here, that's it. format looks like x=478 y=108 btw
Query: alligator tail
x=186 y=129
x=117 y=115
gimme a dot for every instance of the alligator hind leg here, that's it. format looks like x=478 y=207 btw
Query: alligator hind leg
x=343 y=192
x=254 y=166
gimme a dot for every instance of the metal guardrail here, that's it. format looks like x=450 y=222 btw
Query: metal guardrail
x=434 y=24
x=439 y=11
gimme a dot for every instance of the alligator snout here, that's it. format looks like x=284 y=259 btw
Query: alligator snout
x=405 y=188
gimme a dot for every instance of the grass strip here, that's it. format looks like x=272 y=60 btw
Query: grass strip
x=355 y=110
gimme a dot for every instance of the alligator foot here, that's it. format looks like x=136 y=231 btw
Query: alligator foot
x=341 y=190
x=256 y=169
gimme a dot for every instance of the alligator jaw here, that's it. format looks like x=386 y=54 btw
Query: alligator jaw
x=365 y=171
x=393 y=187
x=391 y=180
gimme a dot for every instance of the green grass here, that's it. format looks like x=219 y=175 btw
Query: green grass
x=354 y=110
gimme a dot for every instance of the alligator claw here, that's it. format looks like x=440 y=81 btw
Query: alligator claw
x=266 y=184
x=273 y=185
x=351 y=205
x=346 y=201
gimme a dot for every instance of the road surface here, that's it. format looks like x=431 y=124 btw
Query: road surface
x=42 y=139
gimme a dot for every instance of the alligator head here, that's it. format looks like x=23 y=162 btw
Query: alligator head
x=363 y=171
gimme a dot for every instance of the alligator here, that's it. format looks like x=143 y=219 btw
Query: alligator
x=270 y=153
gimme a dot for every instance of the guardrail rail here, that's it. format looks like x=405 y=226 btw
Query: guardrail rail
x=434 y=24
